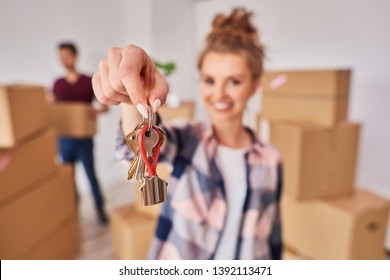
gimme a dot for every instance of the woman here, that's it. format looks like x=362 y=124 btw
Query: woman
x=223 y=195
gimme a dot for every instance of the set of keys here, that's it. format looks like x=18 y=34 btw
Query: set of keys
x=145 y=141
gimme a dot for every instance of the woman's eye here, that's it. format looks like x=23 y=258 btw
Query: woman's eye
x=208 y=81
x=235 y=82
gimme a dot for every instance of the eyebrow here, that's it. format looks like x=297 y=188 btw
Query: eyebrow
x=231 y=76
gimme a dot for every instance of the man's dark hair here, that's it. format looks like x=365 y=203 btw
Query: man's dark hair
x=68 y=45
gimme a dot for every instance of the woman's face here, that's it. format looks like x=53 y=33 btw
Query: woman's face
x=226 y=85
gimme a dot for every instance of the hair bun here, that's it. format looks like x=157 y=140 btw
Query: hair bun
x=236 y=33
x=238 y=24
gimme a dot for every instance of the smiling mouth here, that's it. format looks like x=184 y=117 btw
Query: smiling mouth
x=222 y=106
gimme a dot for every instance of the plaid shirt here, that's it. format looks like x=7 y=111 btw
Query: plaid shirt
x=192 y=219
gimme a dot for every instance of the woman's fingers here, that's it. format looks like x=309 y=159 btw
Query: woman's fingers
x=109 y=92
x=113 y=60
x=158 y=94
x=133 y=69
x=129 y=75
x=99 y=93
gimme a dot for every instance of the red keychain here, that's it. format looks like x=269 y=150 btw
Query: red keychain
x=151 y=166
x=150 y=138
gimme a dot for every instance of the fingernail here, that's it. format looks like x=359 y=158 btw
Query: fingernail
x=156 y=105
x=142 y=110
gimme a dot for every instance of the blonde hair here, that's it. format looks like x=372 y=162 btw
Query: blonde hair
x=236 y=33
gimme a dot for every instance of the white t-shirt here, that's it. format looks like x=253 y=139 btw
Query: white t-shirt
x=231 y=163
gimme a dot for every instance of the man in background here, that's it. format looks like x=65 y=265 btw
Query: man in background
x=77 y=87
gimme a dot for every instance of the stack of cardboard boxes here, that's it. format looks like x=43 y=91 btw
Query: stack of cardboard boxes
x=133 y=227
x=323 y=215
x=184 y=111
x=37 y=197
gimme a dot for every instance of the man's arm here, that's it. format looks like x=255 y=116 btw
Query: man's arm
x=95 y=112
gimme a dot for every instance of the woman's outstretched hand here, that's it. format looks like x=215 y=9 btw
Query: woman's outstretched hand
x=129 y=75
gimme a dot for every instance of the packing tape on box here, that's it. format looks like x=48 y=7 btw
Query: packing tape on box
x=278 y=81
x=4 y=161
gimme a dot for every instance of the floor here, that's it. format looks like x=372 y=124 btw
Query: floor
x=95 y=238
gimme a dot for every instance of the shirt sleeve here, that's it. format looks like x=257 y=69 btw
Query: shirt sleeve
x=176 y=136
x=122 y=151
x=275 y=239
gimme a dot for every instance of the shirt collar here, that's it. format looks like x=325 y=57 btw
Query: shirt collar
x=211 y=142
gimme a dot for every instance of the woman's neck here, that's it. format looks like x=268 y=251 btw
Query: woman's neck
x=232 y=134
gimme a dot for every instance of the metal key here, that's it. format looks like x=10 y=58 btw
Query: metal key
x=153 y=190
x=131 y=138
x=140 y=169
x=150 y=142
x=162 y=135
x=133 y=166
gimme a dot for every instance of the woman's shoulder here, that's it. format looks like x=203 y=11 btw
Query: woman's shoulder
x=267 y=151
x=179 y=123
x=187 y=126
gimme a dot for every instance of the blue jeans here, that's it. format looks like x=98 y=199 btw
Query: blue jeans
x=73 y=150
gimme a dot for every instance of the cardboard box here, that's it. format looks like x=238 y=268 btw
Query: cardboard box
x=344 y=227
x=63 y=244
x=23 y=112
x=153 y=211
x=73 y=119
x=132 y=233
x=184 y=111
x=317 y=162
x=317 y=97
x=27 y=163
x=33 y=217
x=289 y=254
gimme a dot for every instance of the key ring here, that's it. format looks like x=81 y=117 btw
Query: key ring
x=151 y=166
x=150 y=119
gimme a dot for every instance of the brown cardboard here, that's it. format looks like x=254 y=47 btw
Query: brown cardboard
x=63 y=244
x=132 y=233
x=73 y=119
x=27 y=163
x=153 y=211
x=328 y=82
x=32 y=218
x=344 y=227
x=23 y=112
x=184 y=111
x=318 y=97
x=289 y=254
x=317 y=162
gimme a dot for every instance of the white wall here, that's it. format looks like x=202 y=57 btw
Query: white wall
x=138 y=23
x=173 y=41
x=325 y=34
x=29 y=33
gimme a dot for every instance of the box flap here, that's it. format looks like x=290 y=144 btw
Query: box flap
x=361 y=201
